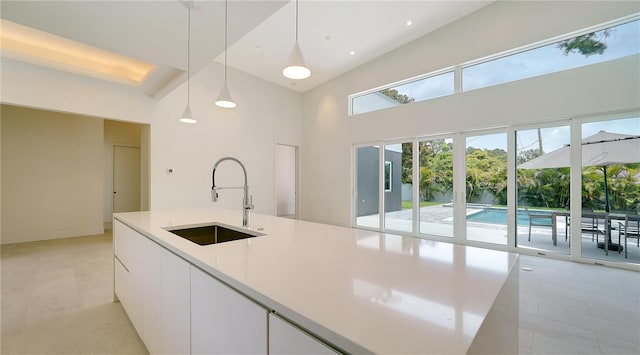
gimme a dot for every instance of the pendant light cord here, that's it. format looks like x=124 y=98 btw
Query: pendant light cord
x=226 y=5
x=188 y=52
x=296 y=20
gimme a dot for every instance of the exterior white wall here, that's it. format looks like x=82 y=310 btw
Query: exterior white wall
x=266 y=114
x=50 y=188
x=329 y=134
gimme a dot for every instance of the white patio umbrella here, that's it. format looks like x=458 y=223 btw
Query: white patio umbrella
x=601 y=149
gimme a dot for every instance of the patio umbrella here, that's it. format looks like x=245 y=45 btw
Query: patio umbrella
x=601 y=149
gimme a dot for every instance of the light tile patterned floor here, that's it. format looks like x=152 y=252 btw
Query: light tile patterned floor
x=57 y=299
x=572 y=308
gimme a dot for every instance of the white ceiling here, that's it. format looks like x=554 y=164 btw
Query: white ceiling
x=261 y=33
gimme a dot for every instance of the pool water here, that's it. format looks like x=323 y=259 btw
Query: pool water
x=499 y=216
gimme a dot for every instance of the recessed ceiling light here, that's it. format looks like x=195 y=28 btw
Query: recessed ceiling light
x=352 y=52
x=45 y=49
x=409 y=23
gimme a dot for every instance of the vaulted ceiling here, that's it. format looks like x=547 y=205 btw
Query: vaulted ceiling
x=335 y=36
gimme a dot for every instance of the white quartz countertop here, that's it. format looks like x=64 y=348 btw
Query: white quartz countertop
x=361 y=291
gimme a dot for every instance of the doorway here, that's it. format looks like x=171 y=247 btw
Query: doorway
x=126 y=179
x=286 y=180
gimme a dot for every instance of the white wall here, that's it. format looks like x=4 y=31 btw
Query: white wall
x=329 y=134
x=29 y=85
x=266 y=114
x=50 y=188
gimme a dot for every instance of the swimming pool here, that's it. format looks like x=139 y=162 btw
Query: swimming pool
x=499 y=216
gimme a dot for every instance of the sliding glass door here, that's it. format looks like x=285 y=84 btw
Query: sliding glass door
x=486 y=188
x=436 y=187
x=583 y=209
x=543 y=189
x=611 y=190
x=398 y=187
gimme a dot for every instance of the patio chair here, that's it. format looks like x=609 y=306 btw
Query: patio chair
x=630 y=229
x=591 y=223
x=588 y=223
x=540 y=220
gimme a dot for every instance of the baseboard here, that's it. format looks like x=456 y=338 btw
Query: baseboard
x=24 y=238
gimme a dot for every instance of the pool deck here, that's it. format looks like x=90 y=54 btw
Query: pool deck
x=438 y=220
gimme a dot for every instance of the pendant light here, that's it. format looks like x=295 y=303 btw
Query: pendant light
x=296 y=66
x=224 y=99
x=187 y=116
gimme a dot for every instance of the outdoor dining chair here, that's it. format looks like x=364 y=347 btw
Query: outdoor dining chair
x=591 y=223
x=538 y=219
x=630 y=229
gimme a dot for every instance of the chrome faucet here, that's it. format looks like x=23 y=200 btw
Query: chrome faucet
x=247 y=201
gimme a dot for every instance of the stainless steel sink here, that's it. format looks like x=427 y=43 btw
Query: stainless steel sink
x=212 y=234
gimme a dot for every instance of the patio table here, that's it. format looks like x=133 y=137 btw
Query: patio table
x=554 y=224
x=609 y=217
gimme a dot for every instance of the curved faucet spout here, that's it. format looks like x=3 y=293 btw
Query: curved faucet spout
x=229 y=158
x=247 y=201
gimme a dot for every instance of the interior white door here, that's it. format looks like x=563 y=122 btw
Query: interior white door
x=126 y=179
x=286 y=180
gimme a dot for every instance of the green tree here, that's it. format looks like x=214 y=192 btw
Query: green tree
x=401 y=98
x=436 y=168
x=486 y=171
x=587 y=44
x=407 y=163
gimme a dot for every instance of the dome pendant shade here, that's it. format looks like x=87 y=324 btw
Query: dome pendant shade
x=296 y=66
x=224 y=99
x=187 y=116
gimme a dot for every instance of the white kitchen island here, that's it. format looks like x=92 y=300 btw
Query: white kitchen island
x=344 y=290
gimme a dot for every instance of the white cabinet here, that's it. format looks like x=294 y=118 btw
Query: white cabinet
x=153 y=286
x=127 y=245
x=151 y=306
x=224 y=321
x=176 y=305
x=285 y=338
x=177 y=308
x=122 y=288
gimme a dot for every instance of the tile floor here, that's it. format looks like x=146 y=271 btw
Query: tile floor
x=57 y=299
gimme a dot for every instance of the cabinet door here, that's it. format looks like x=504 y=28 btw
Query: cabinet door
x=127 y=272
x=285 y=338
x=151 y=300
x=121 y=284
x=123 y=243
x=224 y=321
x=176 y=313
